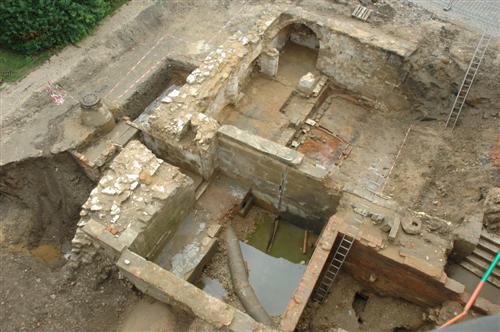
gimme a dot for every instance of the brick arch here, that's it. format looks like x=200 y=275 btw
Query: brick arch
x=286 y=20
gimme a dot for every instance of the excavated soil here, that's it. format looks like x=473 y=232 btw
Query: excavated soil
x=40 y=199
x=354 y=309
x=39 y=207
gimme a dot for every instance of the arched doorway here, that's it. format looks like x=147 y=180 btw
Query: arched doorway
x=298 y=46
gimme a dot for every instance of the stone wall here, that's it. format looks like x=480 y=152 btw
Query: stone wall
x=349 y=52
x=166 y=287
x=194 y=146
x=261 y=165
x=372 y=64
x=137 y=204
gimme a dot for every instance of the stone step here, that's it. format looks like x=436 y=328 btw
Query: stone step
x=479 y=272
x=491 y=238
x=485 y=255
x=482 y=265
x=487 y=246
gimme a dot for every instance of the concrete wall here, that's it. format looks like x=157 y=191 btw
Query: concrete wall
x=260 y=164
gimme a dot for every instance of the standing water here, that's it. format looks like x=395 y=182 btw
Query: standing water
x=275 y=275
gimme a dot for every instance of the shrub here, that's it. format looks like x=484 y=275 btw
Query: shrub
x=30 y=26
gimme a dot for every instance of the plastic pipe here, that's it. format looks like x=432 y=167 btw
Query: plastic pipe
x=474 y=295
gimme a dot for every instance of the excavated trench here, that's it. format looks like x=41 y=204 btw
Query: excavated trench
x=40 y=201
x=40 y=198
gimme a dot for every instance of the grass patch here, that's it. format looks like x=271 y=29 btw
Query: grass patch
x=14 y=66
x=115 y=4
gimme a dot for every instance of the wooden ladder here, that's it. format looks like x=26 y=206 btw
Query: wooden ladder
x=474 y=64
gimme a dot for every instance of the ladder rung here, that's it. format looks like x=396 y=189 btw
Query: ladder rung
x=323 y=292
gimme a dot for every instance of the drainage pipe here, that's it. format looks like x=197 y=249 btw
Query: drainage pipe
x=239 y=277
x=474 y=295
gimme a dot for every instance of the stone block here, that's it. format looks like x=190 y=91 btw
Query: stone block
x=276 y=151
x=466 y=236
x=269 y=61
x=307 y=83
x=166 y=287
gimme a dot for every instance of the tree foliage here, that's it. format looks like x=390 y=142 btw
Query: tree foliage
x=30 y=26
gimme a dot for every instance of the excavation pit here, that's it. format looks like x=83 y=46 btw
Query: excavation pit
x=306 y=133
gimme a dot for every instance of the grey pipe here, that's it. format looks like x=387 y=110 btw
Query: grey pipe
x=239 y=277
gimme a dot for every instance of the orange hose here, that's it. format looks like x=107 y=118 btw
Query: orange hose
x=467 y=307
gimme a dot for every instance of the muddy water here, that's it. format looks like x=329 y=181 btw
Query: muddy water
x=288 y=242
x=275 y=275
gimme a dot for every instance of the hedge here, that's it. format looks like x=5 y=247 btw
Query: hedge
x=31 y=26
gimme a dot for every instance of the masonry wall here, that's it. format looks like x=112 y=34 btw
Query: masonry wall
x=260 y=164
x=416 y=281
x=200 y=161
x=166 y=287
x=369 y=71
x=164 y=223
x=138 y=203
x=231 y=86
x=369 y=63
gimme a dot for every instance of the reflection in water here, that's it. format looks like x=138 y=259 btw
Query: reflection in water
x=273 y=279
x=213 y=287
x=288 y=242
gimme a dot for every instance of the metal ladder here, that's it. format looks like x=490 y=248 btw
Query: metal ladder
x=468 y=79
x=333 y=268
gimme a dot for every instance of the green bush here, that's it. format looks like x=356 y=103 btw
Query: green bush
x=31 y=26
